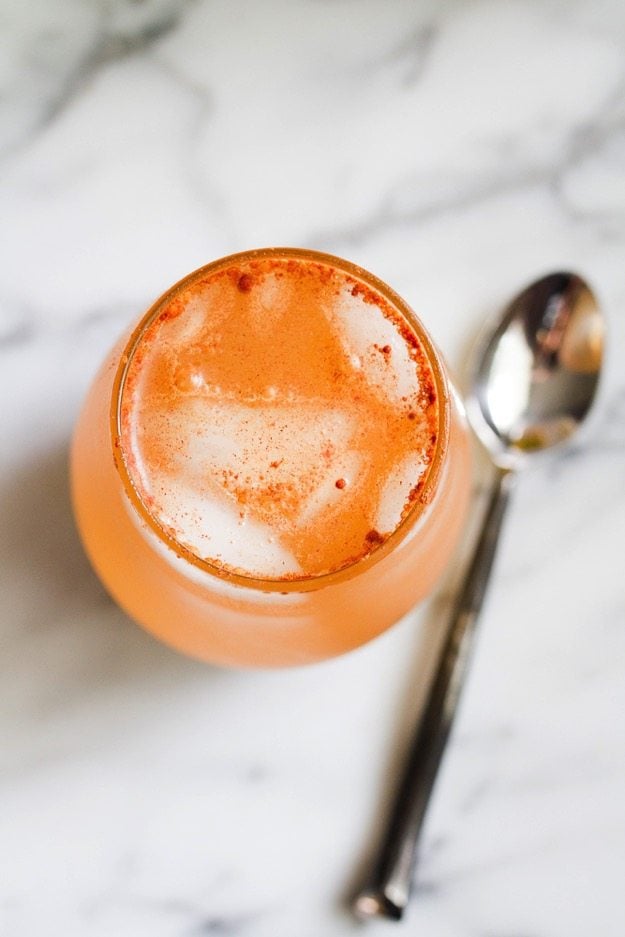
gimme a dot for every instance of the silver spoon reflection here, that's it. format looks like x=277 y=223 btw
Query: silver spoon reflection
x=535 y=379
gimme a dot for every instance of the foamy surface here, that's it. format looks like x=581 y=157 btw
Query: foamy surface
x=278 y=417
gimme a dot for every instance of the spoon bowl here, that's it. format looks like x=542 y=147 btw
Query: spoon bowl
x=537 y=372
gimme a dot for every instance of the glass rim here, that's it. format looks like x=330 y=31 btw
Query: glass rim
x=428 y=484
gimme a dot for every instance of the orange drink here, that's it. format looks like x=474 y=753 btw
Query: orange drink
x=272 y=468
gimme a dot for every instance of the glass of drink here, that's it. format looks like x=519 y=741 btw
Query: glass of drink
x=271 y=468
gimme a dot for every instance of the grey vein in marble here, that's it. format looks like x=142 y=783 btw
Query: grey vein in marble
x=122 y=29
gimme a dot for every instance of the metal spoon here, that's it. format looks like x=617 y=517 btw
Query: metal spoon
x=536 y=377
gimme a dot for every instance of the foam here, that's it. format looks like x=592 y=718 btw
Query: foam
x=396 y=490
x=272 y=428
x=325 y=495
x=363 y=337
x=226 y=442
x=223 y=441
x=216 y=531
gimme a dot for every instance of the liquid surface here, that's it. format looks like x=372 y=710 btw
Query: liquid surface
x=278 y=417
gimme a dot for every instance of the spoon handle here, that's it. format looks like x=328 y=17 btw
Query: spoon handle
x=389 y=889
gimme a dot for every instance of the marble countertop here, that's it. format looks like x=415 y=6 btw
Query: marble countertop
x=458 y=150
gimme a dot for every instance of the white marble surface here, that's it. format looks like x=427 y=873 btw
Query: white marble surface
x=457 y=149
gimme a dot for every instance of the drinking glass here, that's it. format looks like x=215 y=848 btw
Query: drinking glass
x=227 y=618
